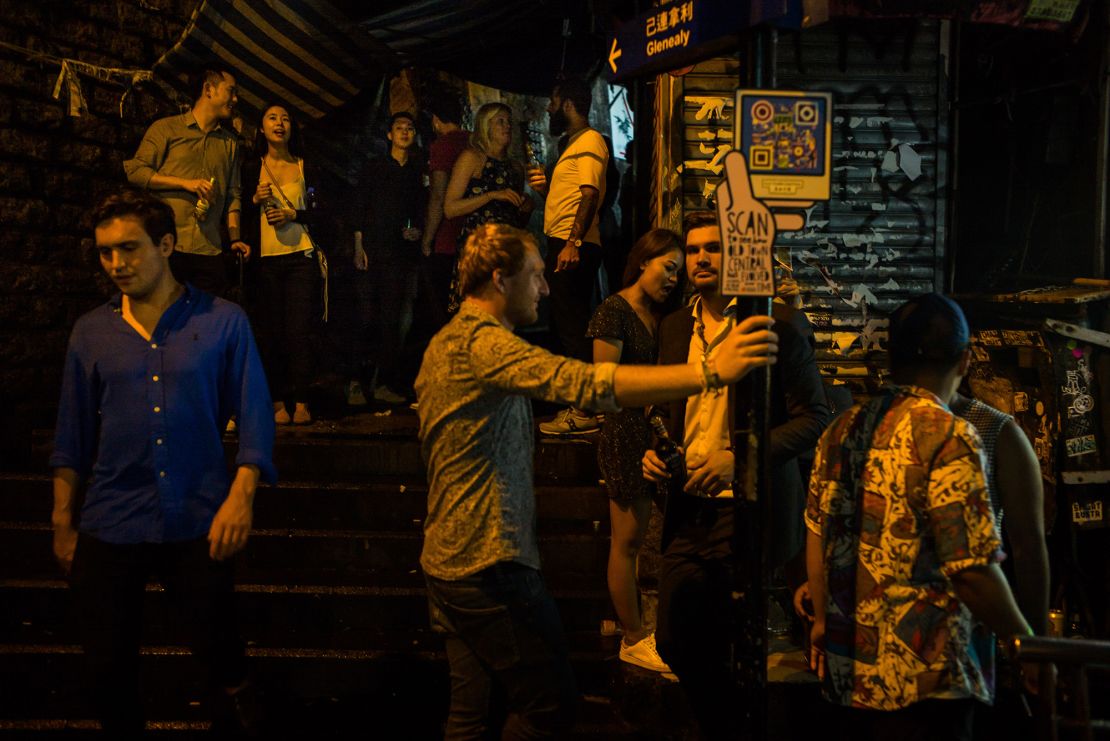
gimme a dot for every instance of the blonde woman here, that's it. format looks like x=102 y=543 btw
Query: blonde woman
x=485 y=186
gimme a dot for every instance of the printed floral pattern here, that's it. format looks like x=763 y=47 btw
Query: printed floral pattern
x=895 y=631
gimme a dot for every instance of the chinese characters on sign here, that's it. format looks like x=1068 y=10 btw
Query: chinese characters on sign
x=668 y=21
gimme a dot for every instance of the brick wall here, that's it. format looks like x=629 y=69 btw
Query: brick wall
x=52 y=165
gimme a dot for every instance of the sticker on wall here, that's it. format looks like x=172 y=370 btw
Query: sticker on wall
x=785 y=136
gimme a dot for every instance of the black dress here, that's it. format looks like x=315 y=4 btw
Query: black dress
x=496 y=175
x=625 y=435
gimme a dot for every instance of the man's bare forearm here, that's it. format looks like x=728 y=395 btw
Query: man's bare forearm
x=167 y=182
x=584 y=216
x=642 y=385
x=434 y=216
x=815 y=572
x=1018 y=477
x=66 y=483
x=1031 y=580
x=985 y=592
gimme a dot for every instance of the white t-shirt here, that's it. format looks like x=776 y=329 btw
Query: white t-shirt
x=582 y=163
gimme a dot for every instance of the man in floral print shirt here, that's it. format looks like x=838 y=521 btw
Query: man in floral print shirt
x=902 y=550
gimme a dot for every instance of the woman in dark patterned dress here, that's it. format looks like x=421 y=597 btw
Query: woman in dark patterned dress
x=623 y=329
x=485 y=185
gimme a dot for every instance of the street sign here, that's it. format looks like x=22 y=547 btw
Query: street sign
x=683 y=32
x=785 y=135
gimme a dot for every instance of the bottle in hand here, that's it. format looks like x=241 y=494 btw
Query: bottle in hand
x=672 y=457
x=200 y=211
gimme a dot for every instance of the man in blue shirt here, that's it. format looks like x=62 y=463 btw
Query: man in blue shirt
x=150 y=380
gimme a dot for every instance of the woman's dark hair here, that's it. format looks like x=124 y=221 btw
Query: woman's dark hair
x=260 y=144
x=651 y=245
x=155 y=214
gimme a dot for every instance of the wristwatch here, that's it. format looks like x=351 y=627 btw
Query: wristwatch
x=576 y=242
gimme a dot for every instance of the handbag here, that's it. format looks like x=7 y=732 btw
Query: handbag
x=321 y=258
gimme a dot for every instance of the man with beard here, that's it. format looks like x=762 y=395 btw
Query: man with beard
x=570 y=221
x=149 y=382
x=192 y=162
x=481 y=558
x=697 y=573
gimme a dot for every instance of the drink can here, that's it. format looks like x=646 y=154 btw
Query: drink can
x=1056 y=623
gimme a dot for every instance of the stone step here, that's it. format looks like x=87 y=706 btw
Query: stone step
x=384 y=716
x=332 y=557
x=381 y=504
x=364 y=447
x=52 y=685
x=319 y=617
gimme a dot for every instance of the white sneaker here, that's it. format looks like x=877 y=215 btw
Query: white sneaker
x=570 y=421
x=644 y=654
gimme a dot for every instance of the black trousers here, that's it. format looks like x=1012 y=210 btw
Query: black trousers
x=384 y=301
x=109 y=582
x=571 y=300
x=206 y=272
x=287 y=311
x=695 y=621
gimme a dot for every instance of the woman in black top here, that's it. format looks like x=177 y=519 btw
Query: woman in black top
x=624 y=331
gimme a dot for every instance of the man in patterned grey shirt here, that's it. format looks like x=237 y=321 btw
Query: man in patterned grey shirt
x=480 y=557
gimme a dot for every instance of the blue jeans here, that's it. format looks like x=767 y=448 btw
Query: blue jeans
x=504 y=633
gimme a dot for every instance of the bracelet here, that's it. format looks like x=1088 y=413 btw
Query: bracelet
x=710 y=379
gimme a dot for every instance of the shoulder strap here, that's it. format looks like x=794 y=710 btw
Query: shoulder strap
x=274 y=182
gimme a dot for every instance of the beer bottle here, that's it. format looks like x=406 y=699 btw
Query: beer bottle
x=670 y=454
x=200 y=210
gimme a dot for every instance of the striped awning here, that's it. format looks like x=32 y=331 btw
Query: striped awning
x=305 y=53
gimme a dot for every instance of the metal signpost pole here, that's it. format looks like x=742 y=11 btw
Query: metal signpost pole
x=780 y=163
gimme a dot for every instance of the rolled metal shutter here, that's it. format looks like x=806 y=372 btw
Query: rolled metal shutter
x=880 y=239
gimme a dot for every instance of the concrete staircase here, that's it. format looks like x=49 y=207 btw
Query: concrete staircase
x=331 y=596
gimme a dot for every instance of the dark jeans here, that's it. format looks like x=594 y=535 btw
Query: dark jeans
x=108 y=584
x=504 y=634
x=695 y=621
x=287 y=311
x=384 y=298
x=571 y=300
x=206 y=272
x=928 y=720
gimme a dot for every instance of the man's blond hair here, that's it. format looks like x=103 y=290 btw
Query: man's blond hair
x=491 y=247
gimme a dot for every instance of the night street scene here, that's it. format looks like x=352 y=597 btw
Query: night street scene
x=683 y=370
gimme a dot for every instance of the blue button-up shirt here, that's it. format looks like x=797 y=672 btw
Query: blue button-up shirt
x=142 y=420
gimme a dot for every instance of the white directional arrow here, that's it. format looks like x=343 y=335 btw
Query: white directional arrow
x=614 y=55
